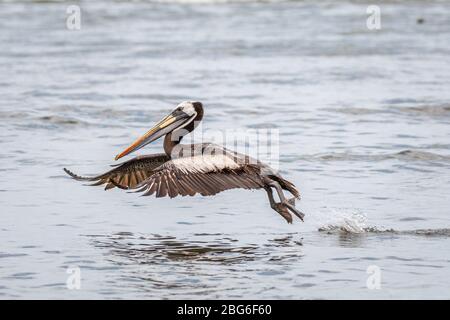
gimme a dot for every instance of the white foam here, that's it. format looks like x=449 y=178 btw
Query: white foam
x=345 y=220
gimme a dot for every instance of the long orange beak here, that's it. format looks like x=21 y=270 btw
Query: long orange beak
x=149 y=136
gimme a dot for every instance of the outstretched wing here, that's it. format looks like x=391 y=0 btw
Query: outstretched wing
x=203 y=174
x=126 y=175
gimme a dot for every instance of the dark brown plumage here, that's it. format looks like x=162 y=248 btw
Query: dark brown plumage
x=170 y=181
x=128 y=174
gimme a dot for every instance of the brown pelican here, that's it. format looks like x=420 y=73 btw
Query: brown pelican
x=187 y=169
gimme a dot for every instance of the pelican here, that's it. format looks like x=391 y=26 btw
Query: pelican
x=188 y=169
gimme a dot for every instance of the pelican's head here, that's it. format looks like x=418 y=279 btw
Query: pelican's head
x=179 y=118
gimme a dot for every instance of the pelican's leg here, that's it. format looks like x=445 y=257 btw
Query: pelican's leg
x=292 y=201
x=278 y=207
x=285 y=201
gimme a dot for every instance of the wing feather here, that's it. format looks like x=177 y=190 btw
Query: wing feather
x=126 y=175
x=206 y=175
x=157 y=174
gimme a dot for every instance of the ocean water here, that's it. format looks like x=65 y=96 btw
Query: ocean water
x=364 y=124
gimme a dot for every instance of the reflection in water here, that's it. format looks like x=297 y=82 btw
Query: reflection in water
x=150 y=249
x=200 y=262
x=220 y=265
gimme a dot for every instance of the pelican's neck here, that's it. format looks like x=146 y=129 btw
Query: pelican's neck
x=172 y=139
x=170 y=143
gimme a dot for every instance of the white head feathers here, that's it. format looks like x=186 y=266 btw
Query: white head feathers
x=187 y=107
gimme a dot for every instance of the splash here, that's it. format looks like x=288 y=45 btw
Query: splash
x=352 y=221
x=344 y=220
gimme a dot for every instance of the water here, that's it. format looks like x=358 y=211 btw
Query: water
x=364 y=119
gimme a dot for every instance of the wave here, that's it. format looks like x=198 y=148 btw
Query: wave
x=440 y=232
x=344 y=220
x=354 y=222
x=61 y=120
x=404 y=155
x=437 y=110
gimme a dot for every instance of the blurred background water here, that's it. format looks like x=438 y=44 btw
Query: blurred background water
x=364 y=122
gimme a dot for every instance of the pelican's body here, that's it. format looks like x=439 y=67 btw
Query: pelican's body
x=187 y=169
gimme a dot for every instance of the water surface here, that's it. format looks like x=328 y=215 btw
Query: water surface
x=364 y=122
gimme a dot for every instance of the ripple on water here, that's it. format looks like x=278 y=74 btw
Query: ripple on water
x=404 y=155
x=12 y=255
x=151 y=249
x=199 y=255
x=336 y=229
x=438 y=110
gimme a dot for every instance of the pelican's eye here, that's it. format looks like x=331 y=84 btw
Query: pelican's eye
x=178 y=110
